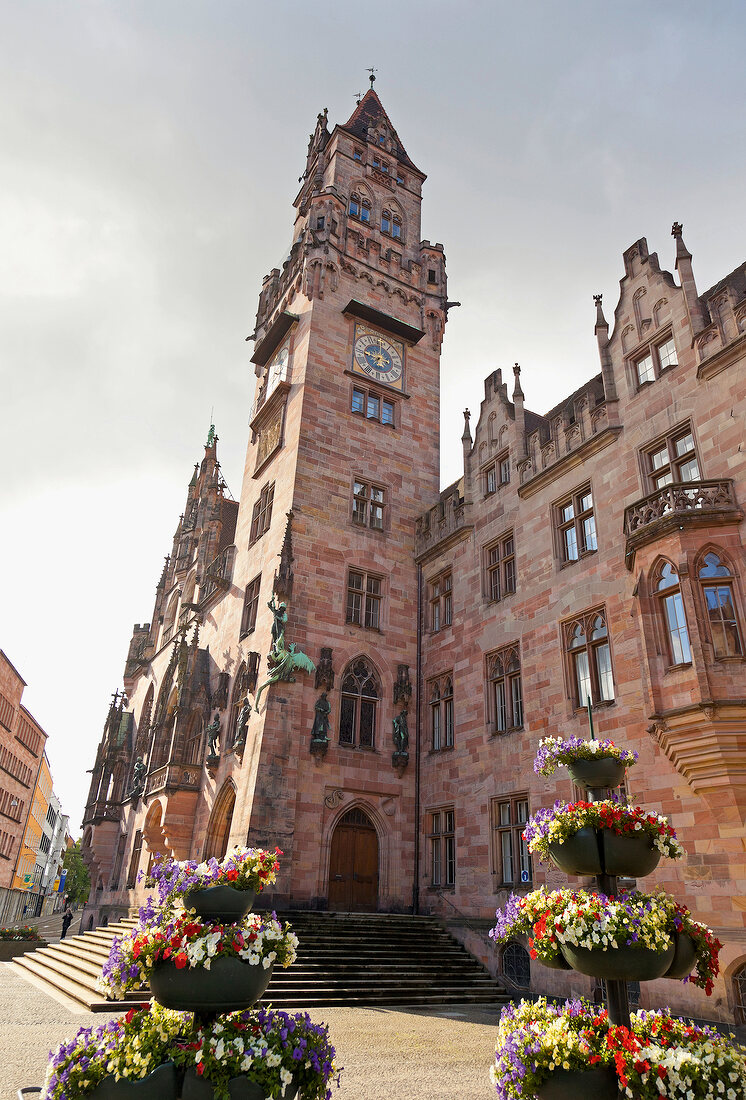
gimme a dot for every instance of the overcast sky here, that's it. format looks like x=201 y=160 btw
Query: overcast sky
x=150 y=154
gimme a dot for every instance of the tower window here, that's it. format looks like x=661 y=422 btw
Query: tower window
x=250 y=605
x=320 y=223
x=359 y=207
x=364 y=593
x=373 y=406
x=396 y=228
x=431 y=275
x=368 y=505
x=386 y=221
x=262 y=515
x=400 y=179
x=357 y=154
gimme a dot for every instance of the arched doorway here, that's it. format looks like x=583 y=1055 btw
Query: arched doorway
x=221 y=819
x=353 y=864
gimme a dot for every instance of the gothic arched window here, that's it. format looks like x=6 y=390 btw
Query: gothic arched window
x=716 y=580
x=359 y=207
x=361 y=691
x=589 y=657
x=672 y=613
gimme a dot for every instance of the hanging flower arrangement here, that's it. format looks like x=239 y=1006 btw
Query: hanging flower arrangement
x=282 y=1053
x=128 y=1048
x=554 y=752
x=656 y=1057
x=256 y=940
x=551 y=919
x=241 y=868
x=564 y=820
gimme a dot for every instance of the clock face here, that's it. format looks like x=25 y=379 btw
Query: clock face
x=378 y=356
x=278 y=363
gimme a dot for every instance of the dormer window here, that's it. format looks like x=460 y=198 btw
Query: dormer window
x=381 y=139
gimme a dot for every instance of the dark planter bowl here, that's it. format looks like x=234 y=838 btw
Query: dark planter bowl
x=229 y=985
x=684 y=957
x=240 y=1088
x=158 y=1085
x=631 y=964
x=578 y=854
x=633 y=856
x=604 y=772
x=594 y=1083
x=560 y=963
x=224 y=904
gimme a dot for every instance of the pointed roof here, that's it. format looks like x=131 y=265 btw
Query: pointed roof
x=366 y=116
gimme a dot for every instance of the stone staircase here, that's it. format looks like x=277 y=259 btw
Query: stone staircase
x=344 y=959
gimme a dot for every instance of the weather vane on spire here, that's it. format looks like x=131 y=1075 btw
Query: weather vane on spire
x=372 y=76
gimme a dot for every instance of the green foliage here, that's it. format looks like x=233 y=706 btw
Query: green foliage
x=78 y=881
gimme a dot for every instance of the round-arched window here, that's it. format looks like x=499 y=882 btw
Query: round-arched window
x=516 y=964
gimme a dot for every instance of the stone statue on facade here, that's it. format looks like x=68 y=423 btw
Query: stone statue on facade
x=213 y=736
x=138 y=777
x=320 y=728
x=242 y=723
x=400 y=756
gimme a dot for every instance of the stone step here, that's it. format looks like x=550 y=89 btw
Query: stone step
x=343 y=959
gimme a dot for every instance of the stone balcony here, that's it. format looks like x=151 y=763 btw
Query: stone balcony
x=438 y=528
x=681 y=505
x=174 y=776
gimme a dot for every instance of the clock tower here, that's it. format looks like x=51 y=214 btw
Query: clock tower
x=343 y=456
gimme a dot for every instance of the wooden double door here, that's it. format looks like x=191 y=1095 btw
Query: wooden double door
x=353 y=865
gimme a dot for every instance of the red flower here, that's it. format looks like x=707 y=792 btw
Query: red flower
x=200 y=1068
x=130 y=1016
x=181 y=960
x=231 y=875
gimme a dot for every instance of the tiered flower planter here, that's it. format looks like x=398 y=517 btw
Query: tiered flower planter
x=207 y=964
x=634 y=937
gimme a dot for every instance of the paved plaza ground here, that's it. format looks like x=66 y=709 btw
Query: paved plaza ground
x=387 y=1054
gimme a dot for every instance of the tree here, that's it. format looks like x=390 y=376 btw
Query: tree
x=78 y=881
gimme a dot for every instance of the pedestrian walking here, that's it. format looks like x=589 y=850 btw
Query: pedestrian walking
x=67 y=917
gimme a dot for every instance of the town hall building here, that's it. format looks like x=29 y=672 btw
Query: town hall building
x=429 y=638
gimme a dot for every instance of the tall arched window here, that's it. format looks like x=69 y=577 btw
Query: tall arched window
x=739 y=988
x=672 y=612
x=361 y=691
x=590 y=660
x=194 y=739
x=716 y=580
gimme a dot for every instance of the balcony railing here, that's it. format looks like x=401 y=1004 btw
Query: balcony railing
x=445 y=521
x=174 y=775
x=683 y=504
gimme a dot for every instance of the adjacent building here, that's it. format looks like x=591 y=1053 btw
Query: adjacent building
x=590 y=552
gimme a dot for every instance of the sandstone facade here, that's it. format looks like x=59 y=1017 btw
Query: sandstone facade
x=594 y=549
